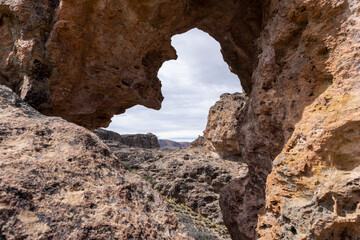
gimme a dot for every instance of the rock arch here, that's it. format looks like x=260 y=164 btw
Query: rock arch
x=87 y=60
x=97 y=58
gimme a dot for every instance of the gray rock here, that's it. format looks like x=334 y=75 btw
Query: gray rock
x=148 y=140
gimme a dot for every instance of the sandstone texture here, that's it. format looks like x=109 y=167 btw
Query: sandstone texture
x=132 y=140
x=299 y=65
x=59 y=181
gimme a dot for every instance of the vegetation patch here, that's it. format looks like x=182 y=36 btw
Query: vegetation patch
x=199 y=227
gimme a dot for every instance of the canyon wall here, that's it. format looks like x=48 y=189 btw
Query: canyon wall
x=298 y=62
x=221 y=132
x=148 y=140
x=303 y=111
x=313 y=190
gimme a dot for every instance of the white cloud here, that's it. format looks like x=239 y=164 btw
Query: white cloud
x=191 y=85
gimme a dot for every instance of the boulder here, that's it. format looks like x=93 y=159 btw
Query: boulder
x=199 y=142
x=224 y=119
x=59 y=181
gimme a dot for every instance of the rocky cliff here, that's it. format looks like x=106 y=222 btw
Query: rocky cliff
x=302 y=112
x=164 y=143
x=132 y=140
x=199 y=142
x=298 y=64
x=312 y=97
x=221 y=131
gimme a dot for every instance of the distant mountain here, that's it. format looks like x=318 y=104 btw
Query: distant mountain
x=164 y=143
x=148 y=140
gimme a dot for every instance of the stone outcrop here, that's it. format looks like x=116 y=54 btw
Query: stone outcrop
x=304 y=106
x=189 y=176
x=221 y=131
x=59 y=181
x=88 y=60
x=200 y=142
x=148 y=140
x=313 y=190
x=298 y=63
x=164 y=143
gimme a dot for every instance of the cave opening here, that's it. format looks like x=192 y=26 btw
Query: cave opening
x=191 y=84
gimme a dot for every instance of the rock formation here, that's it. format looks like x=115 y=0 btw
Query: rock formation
x=313 y=190
x=221 y=131
x=191 y=177
x=304 y=106
x=200 y=142
x=164 y=143
x=88 y=60
x=59 y=181
x=148 y=140
x=298 y=64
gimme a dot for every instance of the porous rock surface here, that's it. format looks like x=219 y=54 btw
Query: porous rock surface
x=313 y=190
x=298 y=63
x=189 y=176
x=302 y=112
x=199 y=142
x=59 y=181
x=221 y=132
x=88 y=60
x=148 y=140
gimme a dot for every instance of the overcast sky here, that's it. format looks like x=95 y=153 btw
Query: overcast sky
x=191 y=85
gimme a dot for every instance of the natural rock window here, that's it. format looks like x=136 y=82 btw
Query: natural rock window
x=190 y=85
x=86 y=61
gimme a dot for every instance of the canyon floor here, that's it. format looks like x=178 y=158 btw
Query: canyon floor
x=189 y=179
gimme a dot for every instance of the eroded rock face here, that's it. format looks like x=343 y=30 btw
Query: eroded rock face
x=304 y=95
x=88 y=60
x=59 y=181
x=148 y=140
x=301 y=76
x=222 y=126
x=313 y=190
x=200 y=142
x=189 y=176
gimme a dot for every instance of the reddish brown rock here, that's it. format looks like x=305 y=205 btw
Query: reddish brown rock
x=307 y=80
x=301 y=75
x=223 y=123
x=313 y=190
x=59 y=181
x=88 y=60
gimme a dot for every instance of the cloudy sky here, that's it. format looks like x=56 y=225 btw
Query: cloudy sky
x=191 y=85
